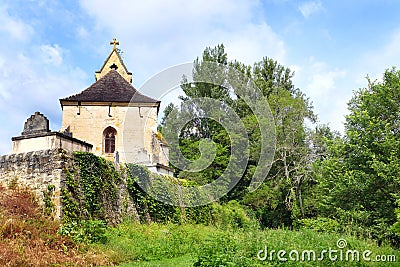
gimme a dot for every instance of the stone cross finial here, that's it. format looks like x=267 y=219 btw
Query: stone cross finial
x=115 y=43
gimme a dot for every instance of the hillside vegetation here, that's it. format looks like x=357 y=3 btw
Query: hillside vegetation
x=199 y=245
x=31 y=239
x=325 y=193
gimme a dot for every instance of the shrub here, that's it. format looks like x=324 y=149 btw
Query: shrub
x=29 y=238
x=223 y=251
x=320 y=225
x=47 y=200
x=150 y=209
x=85 y=231
x=231 y=214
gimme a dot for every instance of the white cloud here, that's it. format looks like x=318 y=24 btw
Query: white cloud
x=322 y=79
x=331 y=88
x=374 y=62
x=152 y=15
x=309 y=8
x=15 y=28
x=29 y=84
x=253 y=42
x=323 y=84
x=82 y=32
x=52 y=54
x=158 y=34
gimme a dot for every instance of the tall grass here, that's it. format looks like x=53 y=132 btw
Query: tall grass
x=28 y=238
x=160 y=244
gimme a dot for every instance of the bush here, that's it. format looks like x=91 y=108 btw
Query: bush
x=320 y=225
x=85 y=231
x=227 y=249
x=231 y=214
x=211 y=258
x=29 y=238
x=158 y=210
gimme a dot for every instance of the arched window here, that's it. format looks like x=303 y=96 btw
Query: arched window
x=109 y=139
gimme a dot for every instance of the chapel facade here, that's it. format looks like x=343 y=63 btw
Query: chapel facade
x=116 y=121
x=116 y=118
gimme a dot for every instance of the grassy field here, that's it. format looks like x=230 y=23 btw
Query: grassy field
x=152 y=245
x=30 y=239
x=184 y=261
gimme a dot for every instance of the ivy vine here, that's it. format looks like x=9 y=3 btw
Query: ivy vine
x=91 y=191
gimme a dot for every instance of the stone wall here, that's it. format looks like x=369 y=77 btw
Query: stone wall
x=36 y=170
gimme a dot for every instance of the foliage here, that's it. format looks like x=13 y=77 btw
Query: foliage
x=319 y=225
x=202 y=127
x=85 y=231
x=160 y=244
x=358 y=182
x=291 y=172
x=154 y=210
x=231 y=215
x=91 y=191
x=13 y=184
x=148 y=208
x=28 y=237
x=47 y=199
x=396 y=226
x=317 y=177
x=224 y=255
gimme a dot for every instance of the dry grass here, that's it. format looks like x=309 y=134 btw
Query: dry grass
x=28 y=238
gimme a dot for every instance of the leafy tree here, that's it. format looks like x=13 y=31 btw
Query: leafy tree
x=200 y=126
x=279 y=199
x=359 y=180
x=290 y=171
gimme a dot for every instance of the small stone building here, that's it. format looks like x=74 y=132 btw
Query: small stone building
x=110 y=118
x=37 y=136
x=119 y=121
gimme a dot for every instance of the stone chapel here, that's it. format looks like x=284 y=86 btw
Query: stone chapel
x=110 y=118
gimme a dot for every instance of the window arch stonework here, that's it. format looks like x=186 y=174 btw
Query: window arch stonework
x=109 y=139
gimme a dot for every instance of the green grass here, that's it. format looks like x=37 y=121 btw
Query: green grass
x=137 y=245
x=183 y=261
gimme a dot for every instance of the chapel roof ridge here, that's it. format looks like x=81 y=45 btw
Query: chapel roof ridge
x=112 y=87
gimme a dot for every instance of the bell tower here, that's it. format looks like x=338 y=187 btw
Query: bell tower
x=114 y=62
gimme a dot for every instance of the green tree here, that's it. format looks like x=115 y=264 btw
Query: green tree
x=359 y=180
x=199 y=126
x=279 y=199
x=290 y=172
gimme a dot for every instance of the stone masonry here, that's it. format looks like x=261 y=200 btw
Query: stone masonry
x=36 y=170
x=37 y=123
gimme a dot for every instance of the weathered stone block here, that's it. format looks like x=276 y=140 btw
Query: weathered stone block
x=37 y=123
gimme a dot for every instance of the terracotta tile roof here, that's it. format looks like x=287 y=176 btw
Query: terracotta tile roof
x=111 y=88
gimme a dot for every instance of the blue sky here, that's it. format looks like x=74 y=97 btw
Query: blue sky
x=51 y=49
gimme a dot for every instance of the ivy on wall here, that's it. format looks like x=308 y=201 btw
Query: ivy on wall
x=150 y=209
x=91 y=189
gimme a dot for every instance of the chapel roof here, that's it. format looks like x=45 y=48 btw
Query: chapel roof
x=111 y=88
